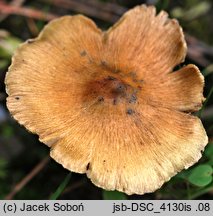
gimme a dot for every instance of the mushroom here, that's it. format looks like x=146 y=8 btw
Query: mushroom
x=108 y=103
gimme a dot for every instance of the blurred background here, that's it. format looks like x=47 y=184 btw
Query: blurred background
x=26 y=171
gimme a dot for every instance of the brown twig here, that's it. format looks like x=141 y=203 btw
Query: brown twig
x=199 y=51
x=24 y=11
x=86 y=8
x=32 y=27
x=28 y=178
x=16 y=3
x=105 y=6
x=74 y=186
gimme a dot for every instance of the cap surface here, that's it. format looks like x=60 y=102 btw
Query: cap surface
x=108 y=104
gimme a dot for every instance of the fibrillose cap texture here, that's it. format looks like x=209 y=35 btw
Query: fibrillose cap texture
x=108 y=103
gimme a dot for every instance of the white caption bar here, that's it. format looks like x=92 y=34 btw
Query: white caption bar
x=102 y=207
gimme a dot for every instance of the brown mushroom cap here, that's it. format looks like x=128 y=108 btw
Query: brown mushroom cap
x=108 y=103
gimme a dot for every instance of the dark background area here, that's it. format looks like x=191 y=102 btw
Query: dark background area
x=26 y=171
